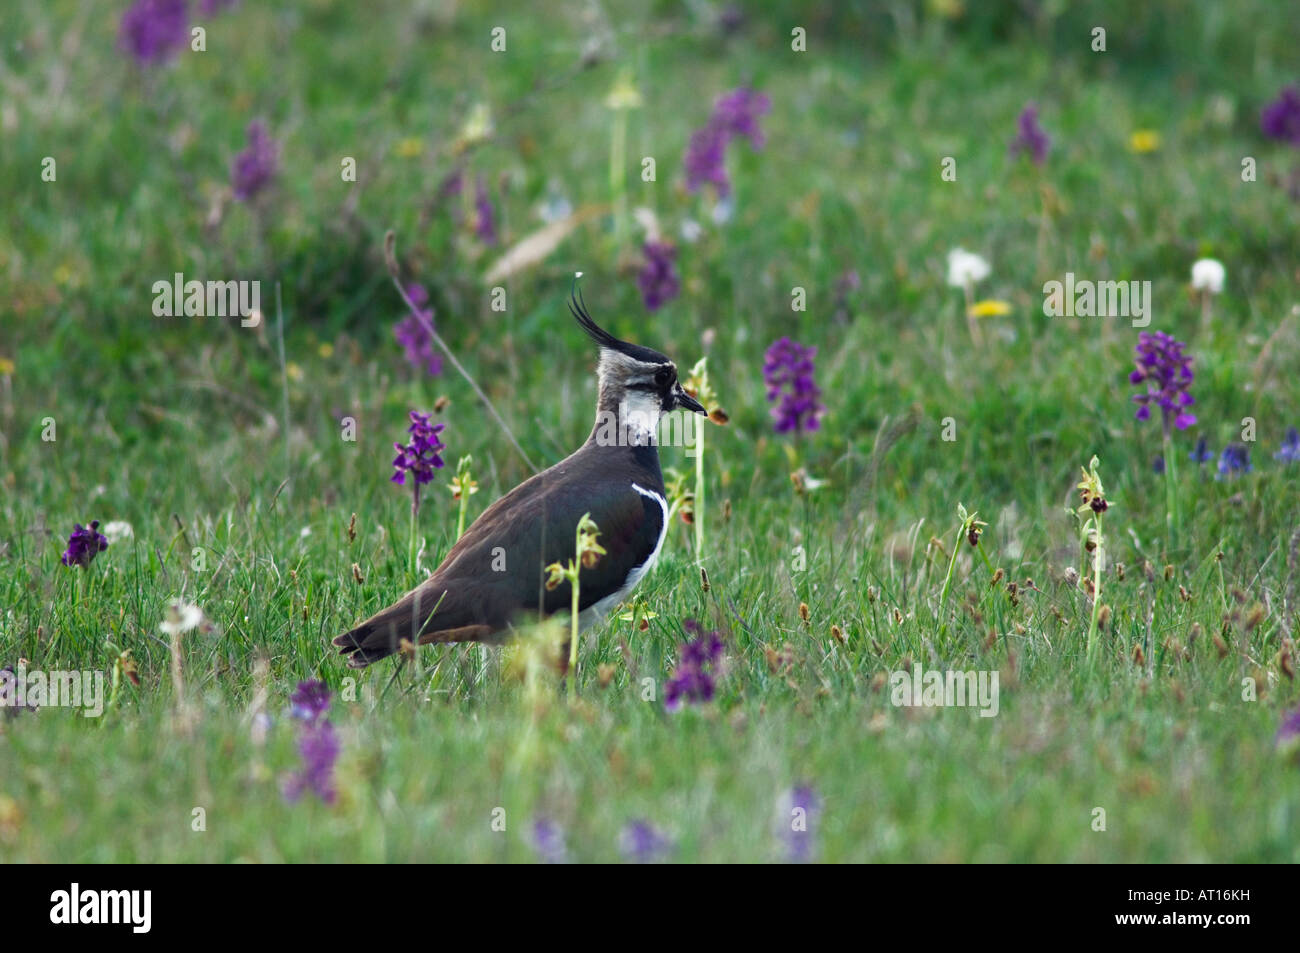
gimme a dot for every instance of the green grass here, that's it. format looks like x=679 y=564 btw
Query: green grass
x=175 y=425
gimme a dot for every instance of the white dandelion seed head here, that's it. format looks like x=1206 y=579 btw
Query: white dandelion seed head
x=1208 y=275
x=966 y=268
x=117 y=530
x=181 y=617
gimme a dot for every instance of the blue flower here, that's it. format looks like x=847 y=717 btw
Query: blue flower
x=1290 y=452
x=1202 y=454
x=642 y=844
x=1235 y=459
x=803 y=808
x=548 y=840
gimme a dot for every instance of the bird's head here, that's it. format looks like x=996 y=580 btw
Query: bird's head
x=633 y=378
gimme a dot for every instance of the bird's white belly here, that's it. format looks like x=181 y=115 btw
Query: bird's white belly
x=598 y=610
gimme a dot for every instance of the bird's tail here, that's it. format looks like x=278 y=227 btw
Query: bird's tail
x=407 y=621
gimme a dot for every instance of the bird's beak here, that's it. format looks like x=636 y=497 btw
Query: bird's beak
x=687 y=402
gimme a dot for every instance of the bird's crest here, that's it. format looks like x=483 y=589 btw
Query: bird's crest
x=578 y=307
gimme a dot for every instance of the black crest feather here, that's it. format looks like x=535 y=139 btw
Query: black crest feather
x=578 y=308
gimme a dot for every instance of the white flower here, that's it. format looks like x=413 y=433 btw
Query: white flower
x=691 y=231
x=648 y=221
x=966 y=268
x=117 y=530
x=181 y=617
x=1208 y=275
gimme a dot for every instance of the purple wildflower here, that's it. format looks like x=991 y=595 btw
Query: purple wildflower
x=153 y=31
x=1290 y=452
x=484 y=214
x=414 y=336
x=1158 y=464
x=1281 y=118
x=1202 y=453
x=788 y=371
x=548 y=840
x=84 y=544
x=1030 y=136
x=658 y=280
x=738 y=112
x=309 y=701
x=318 y=743
x=319 y=747
x=254 y=168
x=803 y=807
x=1235 y=459
x=734 y=114
x=704 y=160
x=694 y=678
x=1167 y=371
x=1288 y=733
x=419 y=456
x=642 y=844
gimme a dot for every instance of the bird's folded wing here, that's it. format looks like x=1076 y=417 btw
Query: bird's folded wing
x=505 y=553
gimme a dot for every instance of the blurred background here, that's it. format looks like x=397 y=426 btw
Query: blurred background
x=800 y=220
x=843 y=199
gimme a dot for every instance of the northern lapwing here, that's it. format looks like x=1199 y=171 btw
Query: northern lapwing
x=495 y=573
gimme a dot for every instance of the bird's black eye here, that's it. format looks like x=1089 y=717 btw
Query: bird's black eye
x=663 y=377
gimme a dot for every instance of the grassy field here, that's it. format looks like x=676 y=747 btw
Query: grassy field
x=224 y=446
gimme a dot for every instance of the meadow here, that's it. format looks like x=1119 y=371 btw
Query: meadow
x=247 y=463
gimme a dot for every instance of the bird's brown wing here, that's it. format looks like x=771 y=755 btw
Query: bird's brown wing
x=497 y=569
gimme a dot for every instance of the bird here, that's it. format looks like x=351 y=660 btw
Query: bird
x=495 y=574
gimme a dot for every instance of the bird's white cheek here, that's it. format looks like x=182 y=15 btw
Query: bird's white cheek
x=639 y=415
